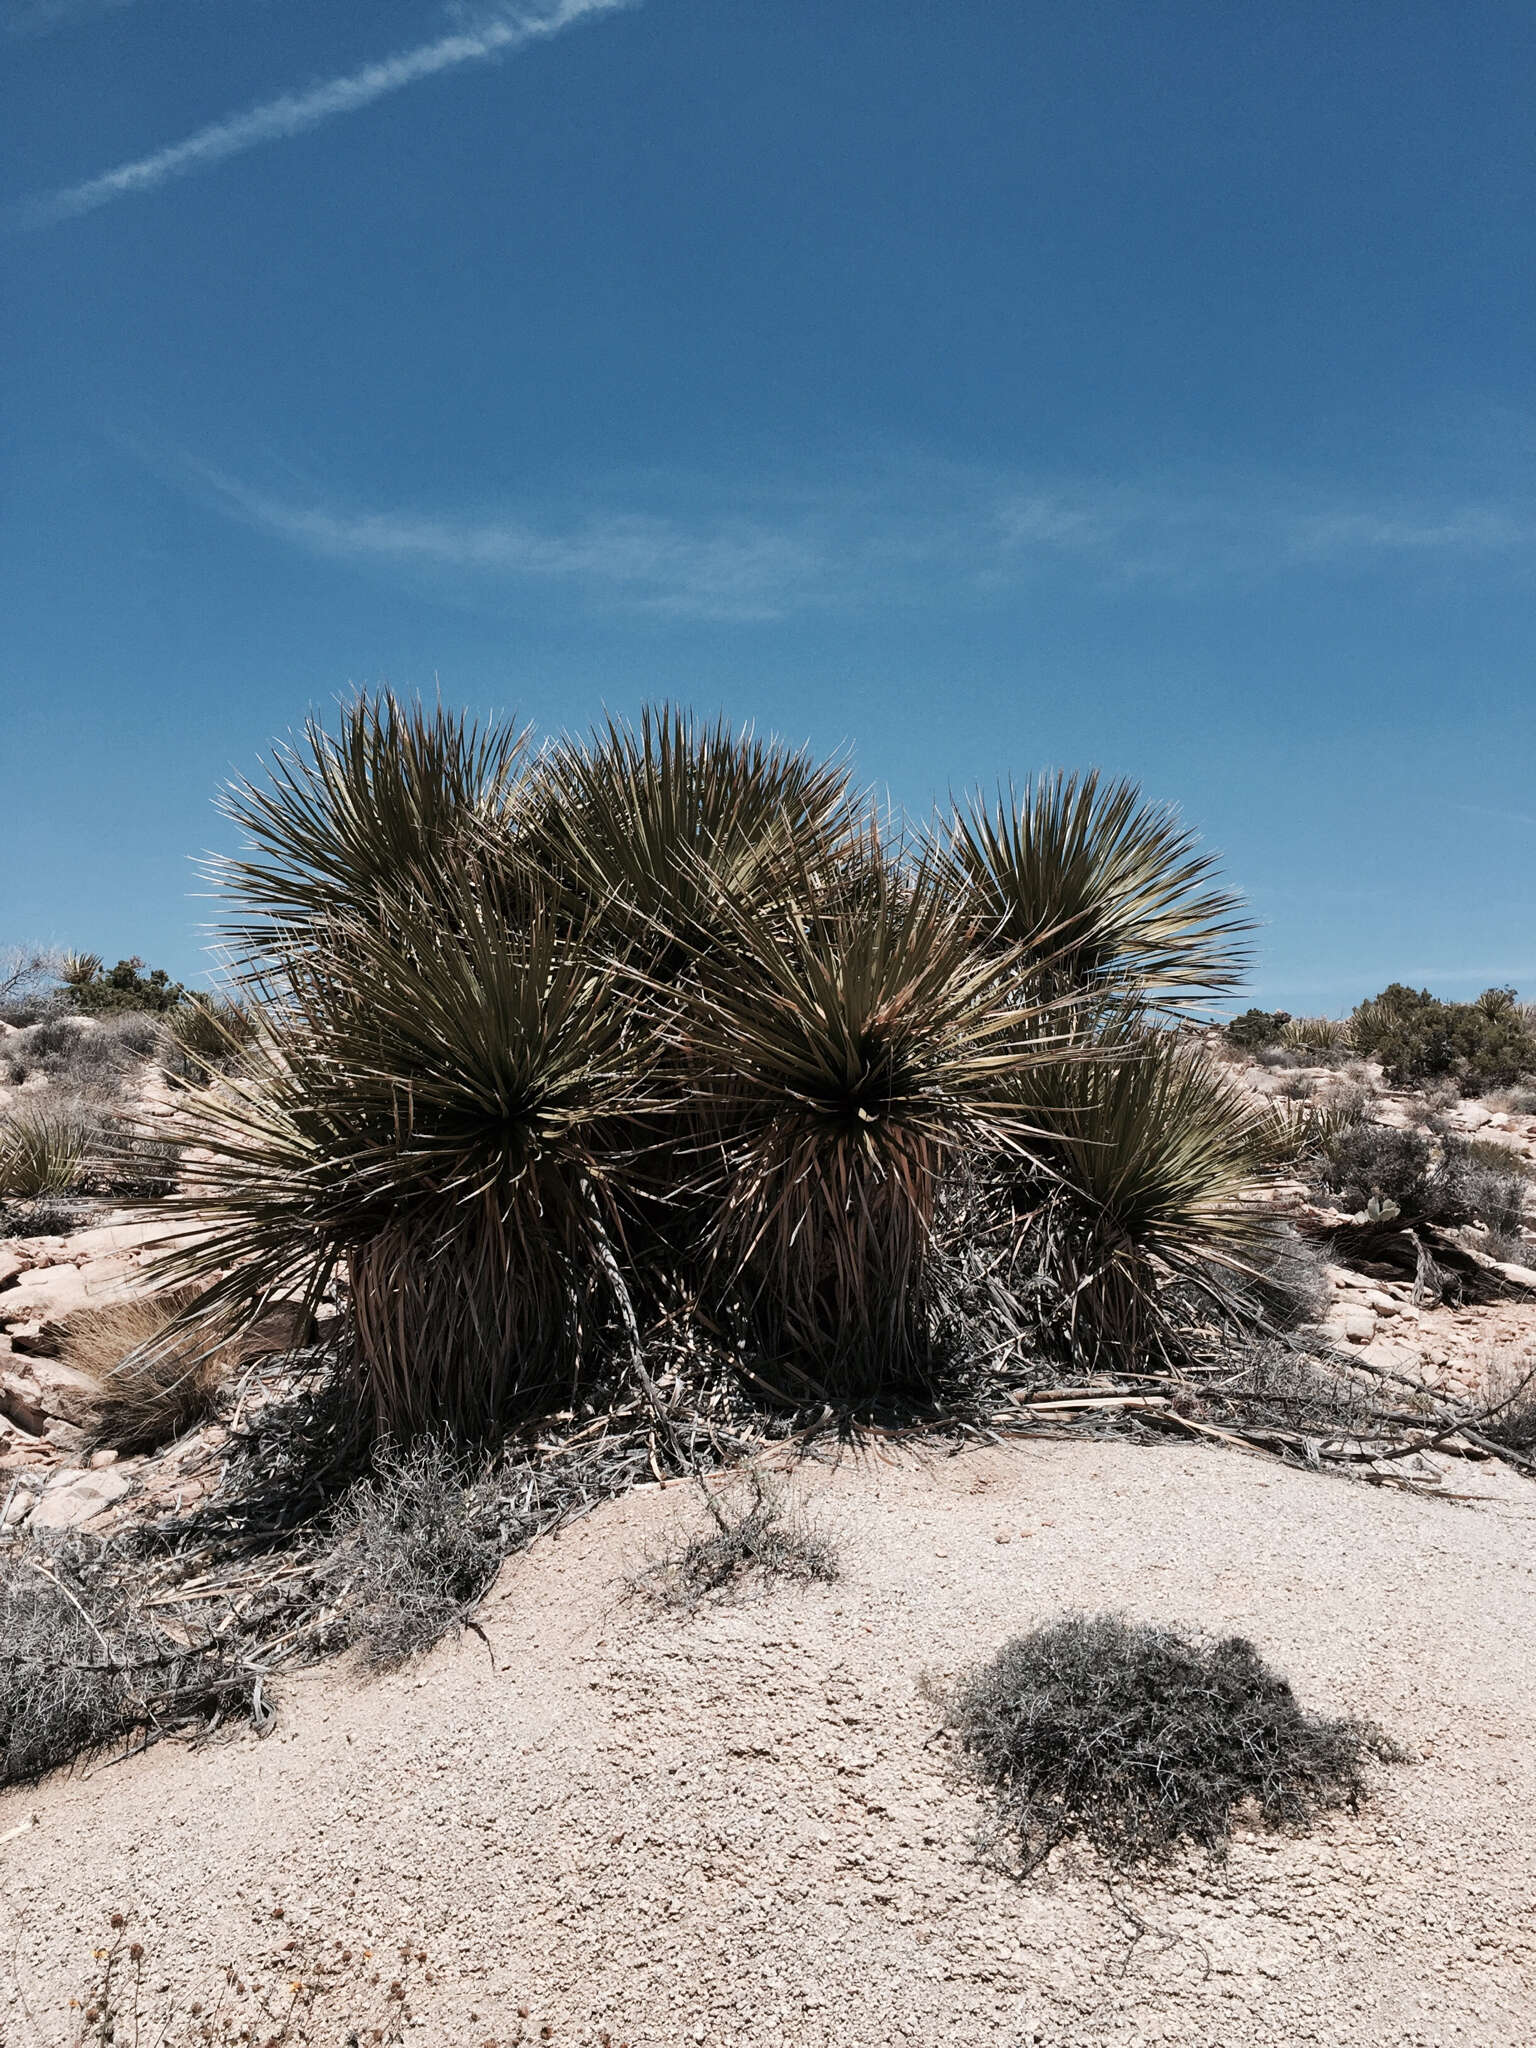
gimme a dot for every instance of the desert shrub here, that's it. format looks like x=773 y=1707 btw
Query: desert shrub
x=82 y=1665
x=753 y=1535
x=132 y=1161
x=1285 y=1285
x=1416 y=1037
x=1278 y=1384
x=1374 y=1162
x=1138 y=1196
x=554 y=1045
x=1105 y=892
x=1297 y=1088
x=153 y=1382
x=1497 y=1158
x=205 y=1033
x=1279 y=1059
x=1140 y=1740
x=416 y=1546
x=42 y=1216
x=96 y=990
x=43 y=1151
x=1255 y=1029
x=1289 y=1132
x=80 y=1053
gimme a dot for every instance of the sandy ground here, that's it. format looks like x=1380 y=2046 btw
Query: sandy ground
x=741 y=1827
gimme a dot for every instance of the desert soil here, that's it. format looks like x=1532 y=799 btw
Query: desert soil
x=744 y=1827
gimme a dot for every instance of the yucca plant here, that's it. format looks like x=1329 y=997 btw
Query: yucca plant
x=1315 y=1034
x=385 y=804
x=425 y=1116
x=1105 y=892
x=1140 y=1201
x=207 y=1030
x=1288 y=1132
x=645 y=829
x=846 y=1052
x=43 y=1152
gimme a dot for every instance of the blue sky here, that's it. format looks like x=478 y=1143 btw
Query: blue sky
x=988 y=386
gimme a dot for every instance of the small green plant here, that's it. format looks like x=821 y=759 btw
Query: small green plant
x=1141 y=1740
x=42 y=1152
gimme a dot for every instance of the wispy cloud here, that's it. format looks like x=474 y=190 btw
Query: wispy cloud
x=730 y=569
x=295 y=112
x=41 y=17
x=884 y=533
x=1487 y=811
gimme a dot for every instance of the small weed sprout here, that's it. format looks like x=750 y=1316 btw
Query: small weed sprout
x=753 y=1535
x=1141 y=1740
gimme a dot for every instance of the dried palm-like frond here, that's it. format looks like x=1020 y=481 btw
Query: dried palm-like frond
x=1142 y=1196
x=845 y=1054
x=427 y=1118
x=1104 y=891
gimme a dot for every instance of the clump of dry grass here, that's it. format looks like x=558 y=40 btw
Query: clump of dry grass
x=1139 y=1740
x=754 y=1534
x=154 y=1379
x=83 y=1663
x=418 y=1542
x=1509 y=1394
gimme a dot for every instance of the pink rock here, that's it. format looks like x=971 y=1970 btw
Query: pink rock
x=75 y=1497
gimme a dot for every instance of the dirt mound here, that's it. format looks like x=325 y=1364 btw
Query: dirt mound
x=743 y=1825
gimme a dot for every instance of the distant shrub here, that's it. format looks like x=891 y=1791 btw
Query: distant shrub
x=1496 y=1157
x=81 y=1053
x=29 y=983
x=1290 y=1131
x=93 y=989
x=1139 y=1740
x=1323 y=1036
x=206 y=1031
x=1255 y=1028
x=1417 y=1038
x=1373 y=1162
x=1492 y=1194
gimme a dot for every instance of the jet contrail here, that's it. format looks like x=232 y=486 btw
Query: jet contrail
x=295 y=111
